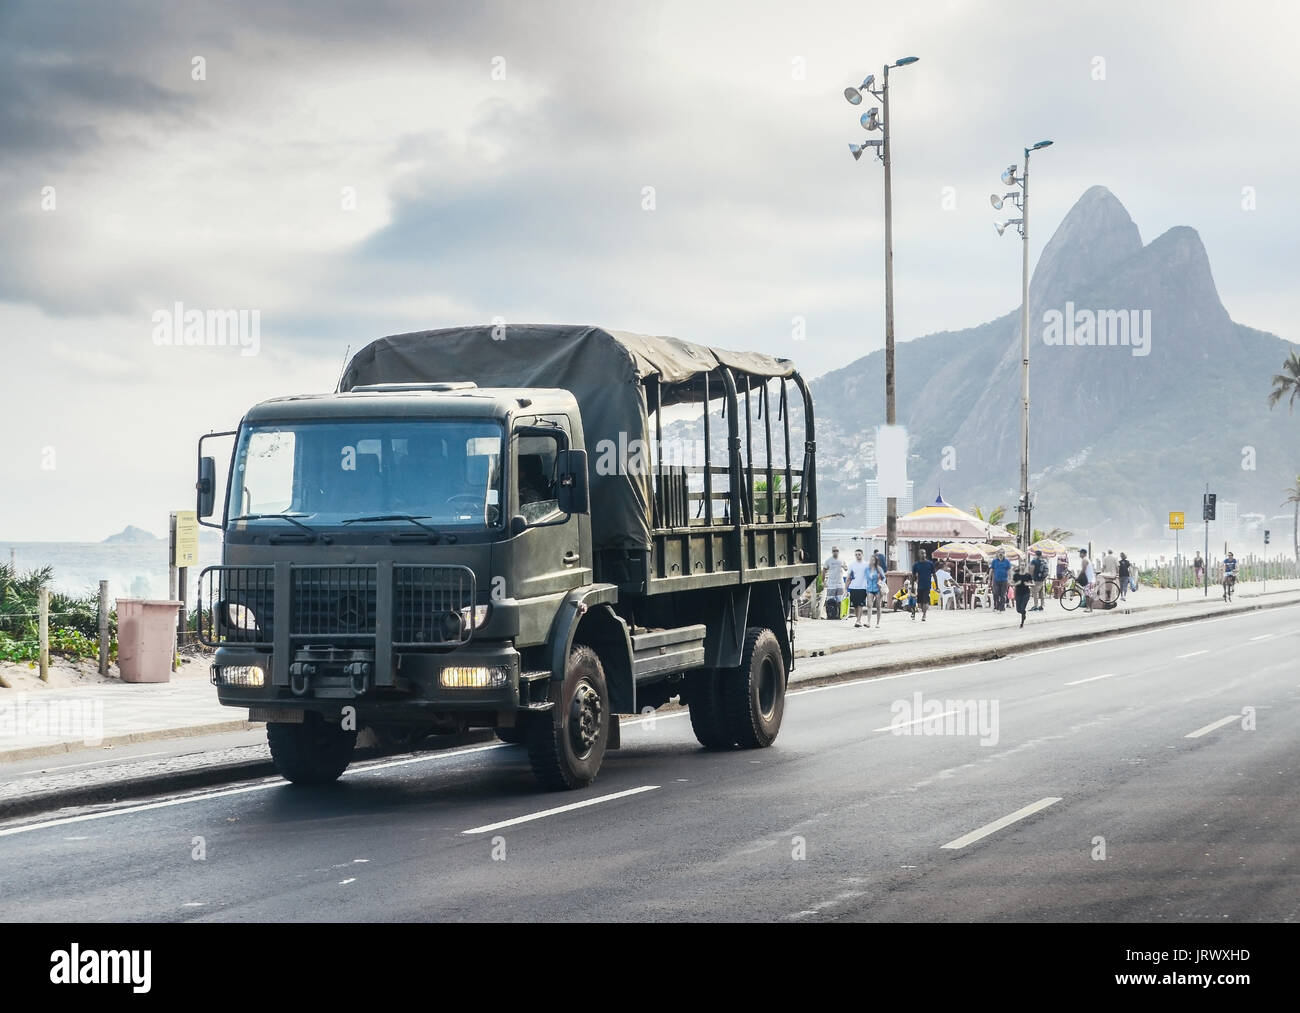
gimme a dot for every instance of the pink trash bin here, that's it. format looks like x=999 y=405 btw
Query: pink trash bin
x=146 y=638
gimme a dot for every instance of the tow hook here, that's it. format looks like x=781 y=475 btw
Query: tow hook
x=300 y=675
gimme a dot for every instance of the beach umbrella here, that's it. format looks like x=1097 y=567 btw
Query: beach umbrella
x=958 y=552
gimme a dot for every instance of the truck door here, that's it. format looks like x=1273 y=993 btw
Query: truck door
x=547 y=551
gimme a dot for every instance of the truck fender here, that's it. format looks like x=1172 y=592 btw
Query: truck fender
x=586 y=616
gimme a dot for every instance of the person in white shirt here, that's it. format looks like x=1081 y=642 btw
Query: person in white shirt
x=860 y=574
x=834 y=572
x=942 y=578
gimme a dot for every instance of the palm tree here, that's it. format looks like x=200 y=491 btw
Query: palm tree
x=995 y=515
x=1293 y=496
x=1286 y=383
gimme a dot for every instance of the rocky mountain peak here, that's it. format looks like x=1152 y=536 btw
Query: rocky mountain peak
x=1093 y=239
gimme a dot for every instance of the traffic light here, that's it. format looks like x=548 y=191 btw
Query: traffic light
x=1207 y=506
x=1266 y=536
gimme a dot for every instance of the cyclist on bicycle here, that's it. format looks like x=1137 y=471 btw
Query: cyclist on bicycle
x=1229 y=576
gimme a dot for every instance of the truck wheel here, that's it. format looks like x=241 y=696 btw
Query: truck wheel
x=566 y=751
x=314 y=752
x=516 y=736
x=753 y=695
x=708 y=719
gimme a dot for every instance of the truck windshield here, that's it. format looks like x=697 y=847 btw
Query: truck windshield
x=446 y=473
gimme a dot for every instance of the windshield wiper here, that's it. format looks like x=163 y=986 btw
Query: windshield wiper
x=397 y=517
x=282 y=517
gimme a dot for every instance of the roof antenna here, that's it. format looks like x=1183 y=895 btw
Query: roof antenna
x=338 y=388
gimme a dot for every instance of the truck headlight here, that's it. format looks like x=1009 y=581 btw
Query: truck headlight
x=473 y=677
x=473 y=617
x=241 y=617
x=248 y=676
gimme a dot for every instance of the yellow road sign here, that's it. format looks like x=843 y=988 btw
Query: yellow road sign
x=1175 y=520
x=187 y=538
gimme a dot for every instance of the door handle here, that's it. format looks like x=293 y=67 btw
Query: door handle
x=570 y=558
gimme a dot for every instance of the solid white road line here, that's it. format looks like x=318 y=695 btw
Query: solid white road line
x=1193 y=654
x=996 y=825
x=560 y=809
x=918 y=721
x=147 y=807
x=1212 y=726
x=1092 y=678
x=263 y=785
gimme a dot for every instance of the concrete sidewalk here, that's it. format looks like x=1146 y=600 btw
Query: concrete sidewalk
x=56 y=721
x=818 y=637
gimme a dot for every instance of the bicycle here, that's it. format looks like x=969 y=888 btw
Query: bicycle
x=1075 y=595
x=1229 y=582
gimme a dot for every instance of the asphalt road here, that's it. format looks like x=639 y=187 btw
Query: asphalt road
x=1145 y=777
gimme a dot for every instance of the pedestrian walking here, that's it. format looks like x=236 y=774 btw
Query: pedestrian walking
x=1024 y=580
x=1199 y=565
x=859 y=578
x=834 y=572
x=923 y=574
x=1038 y=571
x=1109 y=564
x=1125 y=576
x=1001 y=570
x=876 y=587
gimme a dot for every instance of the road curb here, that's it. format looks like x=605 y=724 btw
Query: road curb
x=129 y=739
x=994 y=651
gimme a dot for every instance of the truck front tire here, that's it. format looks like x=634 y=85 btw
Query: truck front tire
x=753 y=694
x=708 y=717
x=567 y=749
x=516 y=736
x=314 y=752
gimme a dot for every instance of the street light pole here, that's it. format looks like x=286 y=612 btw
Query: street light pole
x=854 y=96
x=1025 y=534
x=891 y=413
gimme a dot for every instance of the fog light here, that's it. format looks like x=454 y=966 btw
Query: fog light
x=467 y=677
x=247 y=676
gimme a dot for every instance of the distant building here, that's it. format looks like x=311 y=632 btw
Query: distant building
x=876 y=506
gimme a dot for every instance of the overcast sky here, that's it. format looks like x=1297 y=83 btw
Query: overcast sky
x=499 y=154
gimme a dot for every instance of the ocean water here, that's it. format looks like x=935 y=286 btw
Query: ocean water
x=132 y=569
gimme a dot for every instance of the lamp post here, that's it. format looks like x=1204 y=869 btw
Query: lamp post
x=1021 y=199
x=879 y=120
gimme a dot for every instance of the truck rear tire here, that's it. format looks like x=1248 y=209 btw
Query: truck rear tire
x=567 y=750
x=314 y=752
x=753 y=694
x=708 y=718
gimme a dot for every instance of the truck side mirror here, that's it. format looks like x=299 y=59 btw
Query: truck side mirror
x=207 y=486
x=571 y=490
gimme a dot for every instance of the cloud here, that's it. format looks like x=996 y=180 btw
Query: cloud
x=479 y=194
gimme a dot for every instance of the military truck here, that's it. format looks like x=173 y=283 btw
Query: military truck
x=487 y=527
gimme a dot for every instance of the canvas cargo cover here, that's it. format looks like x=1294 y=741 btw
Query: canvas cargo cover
x=603 y=369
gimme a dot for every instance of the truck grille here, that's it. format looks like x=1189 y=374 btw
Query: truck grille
x=337 y=603
x=427 y=604
x=334 y=601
